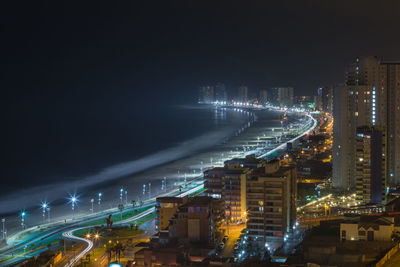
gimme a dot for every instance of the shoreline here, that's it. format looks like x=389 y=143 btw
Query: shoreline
x=191 y=165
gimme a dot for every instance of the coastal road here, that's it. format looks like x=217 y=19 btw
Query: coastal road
x=89 y=244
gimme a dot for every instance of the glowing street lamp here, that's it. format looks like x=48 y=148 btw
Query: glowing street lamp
x=92 y=201
x=23 y=214
x=99 y=199
x=121 y=192
x=73 y=200
x=44 y=207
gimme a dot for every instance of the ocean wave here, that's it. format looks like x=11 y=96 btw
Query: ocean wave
x=13 y=201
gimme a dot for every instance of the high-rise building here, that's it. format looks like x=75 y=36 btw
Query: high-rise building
x=242 y=94
x=271 y=202
x=229 y=185
x=369 y=97
x=370 y=165
x=318 y=99
x=220 y=93
x=282 y=96
x=327 y=99
x=263 y=194
x=206 y=94
x=263 y=97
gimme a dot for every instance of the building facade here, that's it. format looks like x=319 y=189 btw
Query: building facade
x=229 y=185
x=220 y=93
x=206 y=94
x=197 y=221
x=166 y=207
x=271 y=202
x=263 y=97
x=370 y=165
x=242 y=95
x=282 y=96
x=369 y=228
x=369 y=97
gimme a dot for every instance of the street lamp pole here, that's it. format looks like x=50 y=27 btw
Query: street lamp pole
x=126 y=197
x=149 y=190
x=44 y=206
x=100 y=195
x=121 y=191
x=23 y=220
x=73 y=201
x=48 y=213
x=92 y=201
x=4 y=228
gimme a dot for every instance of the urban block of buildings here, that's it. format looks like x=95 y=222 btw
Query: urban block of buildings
x=369 y=97
x=262 y=194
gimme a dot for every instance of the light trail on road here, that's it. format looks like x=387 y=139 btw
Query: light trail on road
x=69 y=235
x=282 y=146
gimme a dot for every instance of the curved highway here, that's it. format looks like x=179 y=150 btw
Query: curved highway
x=70 y=234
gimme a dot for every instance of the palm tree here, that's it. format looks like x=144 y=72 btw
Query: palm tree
x=118 y=248
x=121 y=208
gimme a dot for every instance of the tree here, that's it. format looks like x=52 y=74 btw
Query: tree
x=133 y=203
x=121 y=208
x=118 y=249
x=396 y=236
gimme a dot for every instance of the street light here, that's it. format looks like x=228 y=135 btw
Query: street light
x=149 y=190
x=4 y=228
x=73 y=200
x=92 y=201
x=44 y=207
x=23 y=214
x=121 y=192
x=100 y=195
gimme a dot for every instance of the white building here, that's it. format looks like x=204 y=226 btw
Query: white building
x=367 y=228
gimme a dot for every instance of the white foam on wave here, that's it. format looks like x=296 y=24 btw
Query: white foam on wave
x=26 y=198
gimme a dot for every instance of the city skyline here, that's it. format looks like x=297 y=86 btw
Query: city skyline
x=200 y=133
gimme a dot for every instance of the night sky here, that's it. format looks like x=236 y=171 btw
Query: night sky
x=73 y=59
x=167 y=48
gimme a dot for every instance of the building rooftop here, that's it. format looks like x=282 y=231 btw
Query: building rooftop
x=199 y=201
x=170 y=199
x=260 y=172
x=370 y=221
x=227 y=170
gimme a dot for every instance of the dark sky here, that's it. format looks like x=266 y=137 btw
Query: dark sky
x=165 y=49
